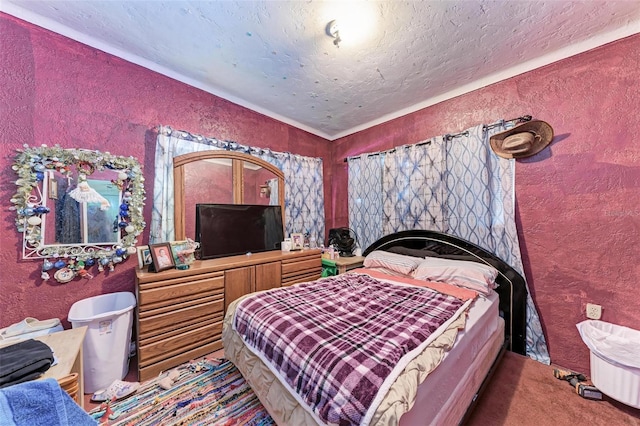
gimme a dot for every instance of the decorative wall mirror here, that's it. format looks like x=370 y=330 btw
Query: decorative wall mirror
x=76 y=208
x=221 y=177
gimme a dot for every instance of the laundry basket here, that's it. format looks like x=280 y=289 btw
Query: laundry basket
x=105 y=351
x=615 y=363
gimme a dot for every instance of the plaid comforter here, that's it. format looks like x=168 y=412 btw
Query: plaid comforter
x=340 y=342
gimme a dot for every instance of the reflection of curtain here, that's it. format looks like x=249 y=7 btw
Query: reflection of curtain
x=169 y=144
x=304 y=201
x=272 y=234
x=68 y=220
x=273 y=191
x=461 y=187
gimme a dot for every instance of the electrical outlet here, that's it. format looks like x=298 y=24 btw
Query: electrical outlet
x=594 y=311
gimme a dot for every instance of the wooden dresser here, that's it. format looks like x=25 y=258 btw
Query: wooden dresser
x=180 y=312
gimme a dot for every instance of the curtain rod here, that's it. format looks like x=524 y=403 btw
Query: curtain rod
x=447 y=137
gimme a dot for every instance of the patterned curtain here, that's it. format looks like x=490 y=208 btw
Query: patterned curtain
x=304 y=200
x=169 y=144
x=459 y=186
x=413 y=188
x=365 y=197
x=303 y=192
x=481 y=209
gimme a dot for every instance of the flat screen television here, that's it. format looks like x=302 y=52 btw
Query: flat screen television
x=230 y=229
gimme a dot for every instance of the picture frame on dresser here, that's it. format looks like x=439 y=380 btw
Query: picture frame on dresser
x=297 y=241
x=162 y=257
x=144 y=256
x=183 y=253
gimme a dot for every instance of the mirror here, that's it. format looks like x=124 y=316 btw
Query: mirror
x=221 y=177
x=78 y=206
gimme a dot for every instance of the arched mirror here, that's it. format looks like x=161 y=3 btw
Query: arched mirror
x=221 y=177
x=77 y=207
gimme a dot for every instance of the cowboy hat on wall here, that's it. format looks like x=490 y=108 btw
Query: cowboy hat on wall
x=523 y=140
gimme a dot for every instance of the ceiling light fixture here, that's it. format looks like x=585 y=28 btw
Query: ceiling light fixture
x=334 y=31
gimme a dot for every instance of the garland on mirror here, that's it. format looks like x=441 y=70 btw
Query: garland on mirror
x=75 y=260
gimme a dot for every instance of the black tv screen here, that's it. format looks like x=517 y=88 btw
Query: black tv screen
x=230 y=229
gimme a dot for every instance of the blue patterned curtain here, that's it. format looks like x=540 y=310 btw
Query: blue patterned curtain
x=459 y=186
x=304 y=193
x=365 y=197
x=481 y=209
x=413 y=188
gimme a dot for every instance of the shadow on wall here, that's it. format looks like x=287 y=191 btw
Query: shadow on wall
x=545 y=153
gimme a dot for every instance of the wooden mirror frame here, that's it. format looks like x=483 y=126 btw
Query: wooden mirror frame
x=237 y=170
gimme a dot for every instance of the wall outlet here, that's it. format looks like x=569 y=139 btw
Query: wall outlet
x=594 y=311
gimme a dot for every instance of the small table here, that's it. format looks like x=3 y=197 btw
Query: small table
x=345 y=264
x=67 y=348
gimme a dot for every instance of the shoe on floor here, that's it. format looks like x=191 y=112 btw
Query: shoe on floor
x=30 y=327
x=116 y=390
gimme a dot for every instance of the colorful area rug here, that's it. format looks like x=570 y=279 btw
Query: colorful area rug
x=205 y=393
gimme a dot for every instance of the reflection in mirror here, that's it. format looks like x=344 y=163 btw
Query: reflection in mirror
x=206 y=181
x=76 y=208
x=260 y=185
x=86 y=214
x=221 y=177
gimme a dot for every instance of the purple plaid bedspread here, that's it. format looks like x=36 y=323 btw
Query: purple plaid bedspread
x=336 y=340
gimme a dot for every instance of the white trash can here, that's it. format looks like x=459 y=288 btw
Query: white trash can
x=615 y=359
x=109 y=319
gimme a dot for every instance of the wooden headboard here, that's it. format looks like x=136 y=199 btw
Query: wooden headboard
x=512 y=289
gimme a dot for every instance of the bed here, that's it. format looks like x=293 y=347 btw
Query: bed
x=437 y=381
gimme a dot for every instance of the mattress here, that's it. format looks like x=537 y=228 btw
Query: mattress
x=447 y=392
x=475 y=348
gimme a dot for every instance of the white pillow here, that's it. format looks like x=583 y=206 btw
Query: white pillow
x=473 y=275
x=392 y=261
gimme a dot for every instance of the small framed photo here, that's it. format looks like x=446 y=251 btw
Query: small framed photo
x=162 y=256
x=297 y=241
x=183 y=253
x=144 y=256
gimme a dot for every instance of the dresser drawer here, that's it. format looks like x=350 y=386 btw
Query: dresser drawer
x=176 y=316
x=301 y=278
x=167 y=345
x=169 y=292
x=301 y=266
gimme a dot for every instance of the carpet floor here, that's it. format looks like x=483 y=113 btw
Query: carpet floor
x=524 y=392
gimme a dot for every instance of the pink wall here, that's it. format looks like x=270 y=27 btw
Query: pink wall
x=56 y=91
x=578 y=201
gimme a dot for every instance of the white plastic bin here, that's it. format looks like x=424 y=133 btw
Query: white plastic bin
x=109 y=318
x=615 y=359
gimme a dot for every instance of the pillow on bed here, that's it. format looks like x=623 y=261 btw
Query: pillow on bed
x=392 y=261
x=391 y=272
x=473 y=275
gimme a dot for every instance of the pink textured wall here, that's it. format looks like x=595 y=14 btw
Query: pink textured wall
x=56 y=91
x=578 y=201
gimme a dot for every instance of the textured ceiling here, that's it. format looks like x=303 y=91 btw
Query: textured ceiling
x=276 y=58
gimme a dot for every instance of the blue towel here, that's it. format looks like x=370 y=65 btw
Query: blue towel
x=40 y=403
